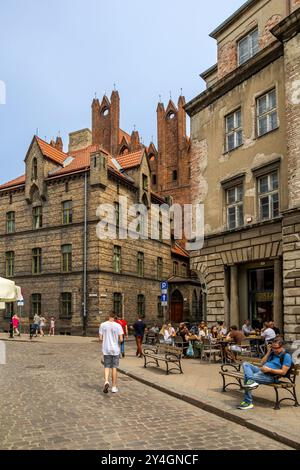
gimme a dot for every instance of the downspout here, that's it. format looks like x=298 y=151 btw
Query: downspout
x=85 y=256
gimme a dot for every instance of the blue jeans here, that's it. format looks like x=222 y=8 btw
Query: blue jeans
x=252 y=372
x=123 y=347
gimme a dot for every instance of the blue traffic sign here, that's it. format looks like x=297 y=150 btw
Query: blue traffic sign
x=164 y=298
x=164 y=285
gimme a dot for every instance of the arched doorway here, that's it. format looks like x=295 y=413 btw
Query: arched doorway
x=176 y=307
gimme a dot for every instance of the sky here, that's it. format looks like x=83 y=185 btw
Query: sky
x=56 y=54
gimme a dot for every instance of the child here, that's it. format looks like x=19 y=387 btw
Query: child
x=52 y=327
x=16 y=323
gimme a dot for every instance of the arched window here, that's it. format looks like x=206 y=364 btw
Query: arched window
x=105 y=112
x=171 y=115
x=175 y=175
x=124 y=150
x=34 y=172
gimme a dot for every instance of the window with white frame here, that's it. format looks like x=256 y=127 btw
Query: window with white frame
x=235 y=209
x=234 y=131
x=248 y=46
x=267 y=119
x=268 y=194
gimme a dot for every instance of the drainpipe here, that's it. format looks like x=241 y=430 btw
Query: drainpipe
x=85 y=256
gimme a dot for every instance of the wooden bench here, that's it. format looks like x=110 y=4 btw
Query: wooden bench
x=163 y=353
x=288 y=383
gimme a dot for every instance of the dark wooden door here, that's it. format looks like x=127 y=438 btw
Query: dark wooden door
x=176 y=307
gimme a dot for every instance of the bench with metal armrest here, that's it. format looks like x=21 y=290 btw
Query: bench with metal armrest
x=170 y=355
x=287 y=382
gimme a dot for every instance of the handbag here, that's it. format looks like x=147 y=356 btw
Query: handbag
x=190 y=350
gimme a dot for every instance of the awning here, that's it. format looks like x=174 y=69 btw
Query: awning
x=9 y=292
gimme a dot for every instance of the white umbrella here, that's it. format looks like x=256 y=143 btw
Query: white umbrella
x=9 y=292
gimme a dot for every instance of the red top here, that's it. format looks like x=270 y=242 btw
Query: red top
x=123 y=324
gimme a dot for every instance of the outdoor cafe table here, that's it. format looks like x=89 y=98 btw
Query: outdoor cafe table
x=224 y=343
x=257 y=340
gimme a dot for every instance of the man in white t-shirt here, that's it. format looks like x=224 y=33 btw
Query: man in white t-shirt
x=111 y=334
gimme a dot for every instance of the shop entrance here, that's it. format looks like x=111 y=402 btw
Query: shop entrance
x=261 y=296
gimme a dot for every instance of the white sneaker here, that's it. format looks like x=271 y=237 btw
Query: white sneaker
x=114 y=390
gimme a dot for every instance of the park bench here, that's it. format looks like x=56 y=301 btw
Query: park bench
x=170 y=355
x=287 y=383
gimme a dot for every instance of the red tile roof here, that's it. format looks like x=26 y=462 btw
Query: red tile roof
x=178 y=250
x=50 y=152
x=130 y=160
x=16 y=182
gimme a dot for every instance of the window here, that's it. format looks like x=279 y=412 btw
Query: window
x=160 y=266
x=154 y=180
x=117 y=259
x=10 y=222
x=34 y=173
x=141 y=305
x=36 y=305
x=145 y=182
x=10 y=264
x=175 y=268
x=235 y=211
x=184 y=270
x=266 y=107
x=268 y=195
x=117 y=215
x=66 y=258
x=118 y=303
x=174 y=175
x=248 y=47
x=10 y=199
x=37 y=217
x=234 y=132
x=36 y=261
x=160 y=230
x=66 y=305
x=140 y=264
x=67 y=212
x=67 y=187
x=9 y=310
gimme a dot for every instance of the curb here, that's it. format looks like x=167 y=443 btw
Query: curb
x=206 y=406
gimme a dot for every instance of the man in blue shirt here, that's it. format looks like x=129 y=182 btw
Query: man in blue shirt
x=275 y=364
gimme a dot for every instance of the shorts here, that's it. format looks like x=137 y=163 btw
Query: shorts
x=111 y=362
x=236 y=348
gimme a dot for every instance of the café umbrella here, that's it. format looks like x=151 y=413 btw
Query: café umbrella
x=9 y=292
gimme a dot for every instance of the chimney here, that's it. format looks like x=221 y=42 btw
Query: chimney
x=135 y=142
x=115 y=122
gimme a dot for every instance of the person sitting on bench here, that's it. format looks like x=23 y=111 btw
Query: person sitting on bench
x=276 y=363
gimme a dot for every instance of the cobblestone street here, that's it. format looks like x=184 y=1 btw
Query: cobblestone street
x=51 y=398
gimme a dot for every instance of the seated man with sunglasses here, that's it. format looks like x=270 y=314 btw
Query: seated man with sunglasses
x=276 y=363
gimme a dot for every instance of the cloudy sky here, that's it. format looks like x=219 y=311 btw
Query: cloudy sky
x=55 y=54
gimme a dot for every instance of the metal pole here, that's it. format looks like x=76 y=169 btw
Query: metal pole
x=85 y=260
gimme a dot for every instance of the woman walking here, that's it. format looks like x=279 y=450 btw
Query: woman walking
x=16 y=323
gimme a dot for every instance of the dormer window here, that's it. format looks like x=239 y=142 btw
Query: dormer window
x=248 y=46
x=34 y=174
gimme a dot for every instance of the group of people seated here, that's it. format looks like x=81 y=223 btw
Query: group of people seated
x=197 y=335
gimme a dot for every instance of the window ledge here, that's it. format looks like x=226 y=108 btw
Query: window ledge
x=267 y=133
x=228 y=152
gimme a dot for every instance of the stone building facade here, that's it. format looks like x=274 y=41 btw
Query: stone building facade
x=245 y=142
x=48 y=229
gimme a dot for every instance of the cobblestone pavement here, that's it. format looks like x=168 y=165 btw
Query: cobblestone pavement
x=51 y=398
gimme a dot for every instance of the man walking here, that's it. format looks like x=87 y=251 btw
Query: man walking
x=110 y=333
x=139 y=331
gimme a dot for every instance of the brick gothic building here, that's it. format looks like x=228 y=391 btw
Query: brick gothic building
x=245 y=166
x=48 y=241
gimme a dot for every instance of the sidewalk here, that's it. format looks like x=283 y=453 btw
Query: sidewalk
x=201 y=385
x=57 y=339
